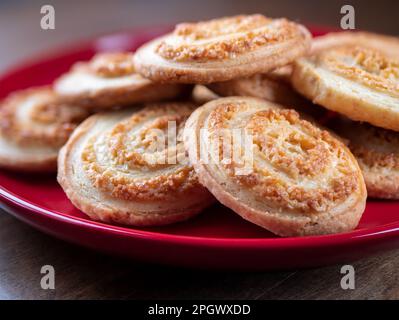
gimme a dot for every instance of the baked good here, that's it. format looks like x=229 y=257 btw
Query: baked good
x=34 y=125
x=377 y=152
x=123 y=167
x=355 y=80
x=274 y=86
x=388 y=44
x=202 y=94
x=284 y=174
x=222 y=49
x=109 y=80
x=270 y=86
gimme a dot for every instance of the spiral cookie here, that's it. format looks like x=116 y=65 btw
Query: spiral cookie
x=130 y=167
x=34 y=125
x=377 y=152
x=271 y=86
x=222 y=49
x=389 y=45
x=289 y=176
x=109 y=80
x=358 y=81
x=202 y=95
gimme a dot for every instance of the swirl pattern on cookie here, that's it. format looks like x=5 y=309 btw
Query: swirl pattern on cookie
x=356 y=80
x=34 y=125
x=376 y=151
x=130 y=167
x=109 y=80
x=222 y=49
x=301 y=179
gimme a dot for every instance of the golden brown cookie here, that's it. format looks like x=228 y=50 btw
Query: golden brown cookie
x=274 y=87
x=222 y=49
x=264 y=86
x=109 y=80
x=355 y=80
x=259 y=86
x=377 y=152
x=389 y=45
x=202 y=94
x=301 y=179
x=130 y=167
x=34 y=125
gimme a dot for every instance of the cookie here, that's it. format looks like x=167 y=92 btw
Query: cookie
x=274 y=87
x=355 y=80
x=222 y=49
x=268 y=86
x=377 y=152
x=285 y=174
x=130 y=167
x=202 y=95
x=109 y=80
x=34 y=125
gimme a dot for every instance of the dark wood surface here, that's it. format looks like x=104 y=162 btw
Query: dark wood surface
x=84 y=274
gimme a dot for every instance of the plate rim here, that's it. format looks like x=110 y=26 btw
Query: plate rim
x=386 y=231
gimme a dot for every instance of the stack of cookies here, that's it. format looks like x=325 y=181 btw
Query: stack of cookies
x=220 y=111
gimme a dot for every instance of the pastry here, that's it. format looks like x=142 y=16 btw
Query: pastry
x=375 y=41
x=222 y=49
x=124 y=167
x=259 y=86
x=109 y=80
x=34 y=125
x=202 y=94
x=284 y=174
x=377 y=152
x=355 y=80
x=274 y=87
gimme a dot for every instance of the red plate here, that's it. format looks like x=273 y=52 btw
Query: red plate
x=218 y=238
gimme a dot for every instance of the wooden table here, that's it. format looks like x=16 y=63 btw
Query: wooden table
x=84 y=274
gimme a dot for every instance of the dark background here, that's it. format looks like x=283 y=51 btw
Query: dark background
x=82 y=274
x=21 y=36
